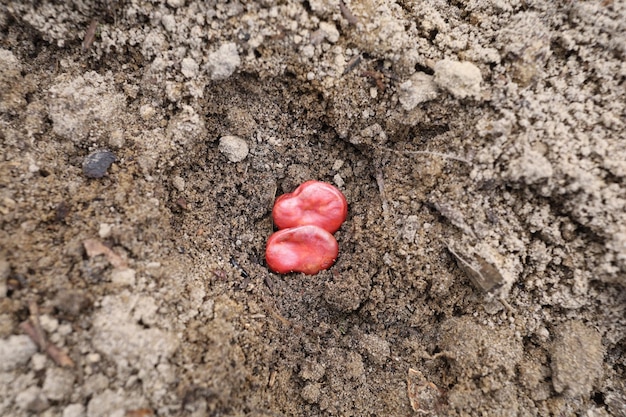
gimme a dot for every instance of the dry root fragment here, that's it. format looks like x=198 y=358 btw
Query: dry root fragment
x=347 y=14
x=32 y=328
x=56 y=354
x=380 y=180
x=140 y=412
x=90 y=35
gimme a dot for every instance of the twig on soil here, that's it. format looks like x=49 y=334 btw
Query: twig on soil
x=347 y=14
x=381 y=190
x=270 y=307
x=33 y=309
x=140 y=412
x=354 y=61
x=90 y=35
x=454 y=216
x=56 y=354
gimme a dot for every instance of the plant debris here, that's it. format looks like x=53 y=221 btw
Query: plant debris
x=483 y=275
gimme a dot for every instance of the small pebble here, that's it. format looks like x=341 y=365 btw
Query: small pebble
x=235 y=148
x=38 y=361
x=48 y=323
x=93 y=358
x=178 y=183
x=97 y=163
x=58 y=384
x=461 y=79
x=74 y=410
x=222 y=63
x=124 y=276
x=31 y=399
x=105 y=230
x=15 y=350
x=338 y=180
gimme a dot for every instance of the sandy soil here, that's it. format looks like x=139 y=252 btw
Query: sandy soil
x=481 y=147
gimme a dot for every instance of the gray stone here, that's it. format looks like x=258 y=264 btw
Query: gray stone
x=31 y=399
x=97 y=163
x=59 y=383
x=15 y=351
x=74 y=410
x=235 y=148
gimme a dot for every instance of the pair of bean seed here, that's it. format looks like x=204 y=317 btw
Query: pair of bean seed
x=307 y=218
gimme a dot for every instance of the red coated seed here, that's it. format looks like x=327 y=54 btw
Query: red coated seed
x=313 y=202
x=307 y=249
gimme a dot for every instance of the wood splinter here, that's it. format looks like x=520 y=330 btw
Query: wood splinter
x=33 y=329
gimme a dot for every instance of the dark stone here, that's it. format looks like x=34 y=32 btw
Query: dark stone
x=97 y=163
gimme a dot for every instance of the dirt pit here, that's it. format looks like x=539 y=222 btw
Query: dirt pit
x=479 y=145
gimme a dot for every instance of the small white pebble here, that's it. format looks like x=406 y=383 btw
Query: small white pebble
x=105 y=230
x=38 y=361
x=308 y=51
x=330 y=31
x=49 y=324
x=338 y=180
x=222 y=63
x=337 y=165
x=74 y=410
x=189 y=67
x=235 y=148
x=169 y=22
x=543 y=334
x=116 y=139
x=178 y=183
x=124 y=276
x=461 y=79
x=93 y=358
x=65 y=329
x=31 y=399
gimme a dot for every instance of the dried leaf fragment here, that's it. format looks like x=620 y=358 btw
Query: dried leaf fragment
x=483 y=275
x=94 y=247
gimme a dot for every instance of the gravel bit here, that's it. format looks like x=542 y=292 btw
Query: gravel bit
x=97 y=163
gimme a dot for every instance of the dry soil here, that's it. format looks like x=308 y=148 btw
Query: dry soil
x=480 y=144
